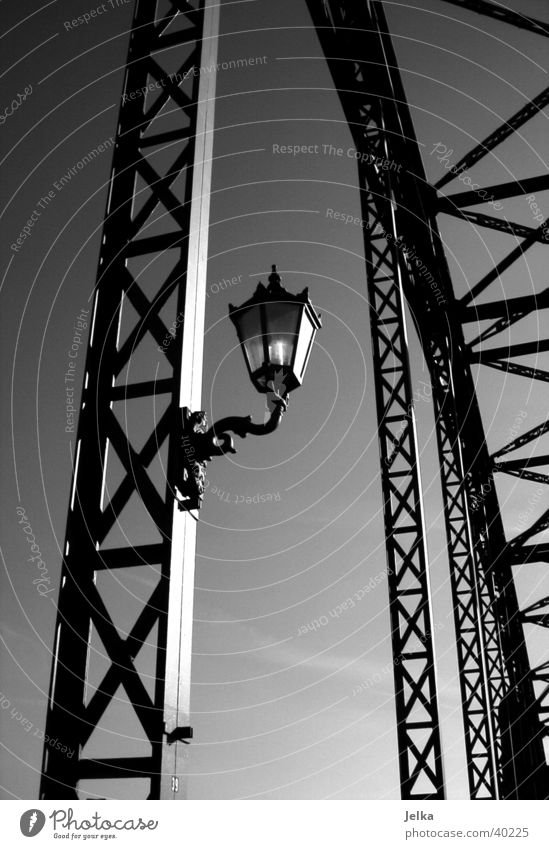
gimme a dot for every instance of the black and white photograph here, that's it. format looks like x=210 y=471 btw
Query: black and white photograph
x=275 y=429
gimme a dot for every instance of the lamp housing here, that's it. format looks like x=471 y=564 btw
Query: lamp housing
x=276 y=331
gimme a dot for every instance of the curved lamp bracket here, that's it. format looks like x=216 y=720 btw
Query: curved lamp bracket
x=200 y=445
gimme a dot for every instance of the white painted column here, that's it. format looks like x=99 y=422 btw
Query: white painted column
x=177 y=712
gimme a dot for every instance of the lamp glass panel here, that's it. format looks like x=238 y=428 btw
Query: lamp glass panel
x=254 y=353
x=306 y=333
x=249 y=324
x=282 y=324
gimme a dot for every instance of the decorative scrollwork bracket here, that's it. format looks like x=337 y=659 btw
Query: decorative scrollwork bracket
x=200 y=445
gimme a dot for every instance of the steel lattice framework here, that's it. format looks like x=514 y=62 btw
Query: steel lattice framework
x=145 y=266
x=502 y=714
x=127 y=440
x=418 y=727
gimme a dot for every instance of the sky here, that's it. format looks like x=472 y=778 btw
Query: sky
x=281 y=708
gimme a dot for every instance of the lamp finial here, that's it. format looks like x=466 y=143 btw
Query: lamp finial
x=274 y=279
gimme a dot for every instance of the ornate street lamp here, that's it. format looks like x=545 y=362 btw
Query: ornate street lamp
x=276 y=331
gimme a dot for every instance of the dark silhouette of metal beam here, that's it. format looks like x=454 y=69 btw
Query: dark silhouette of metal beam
x=503 y=729
x=504 y=720
x=502 y=13
x=497 y=136
x=132 y=302
x=514 y=188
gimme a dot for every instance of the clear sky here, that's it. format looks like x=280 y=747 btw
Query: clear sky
x=279 y=710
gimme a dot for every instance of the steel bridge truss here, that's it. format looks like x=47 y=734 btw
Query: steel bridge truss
x=120 y=523
x=128 y=436
x=504 y=712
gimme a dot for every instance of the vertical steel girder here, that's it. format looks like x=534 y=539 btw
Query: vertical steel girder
x=501 y=315
x=122 y=462
x=418 y=730
x=503 y=732
x=418 y=726
x=523 y=769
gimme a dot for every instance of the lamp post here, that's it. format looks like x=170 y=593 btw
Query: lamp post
x=276 y=331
